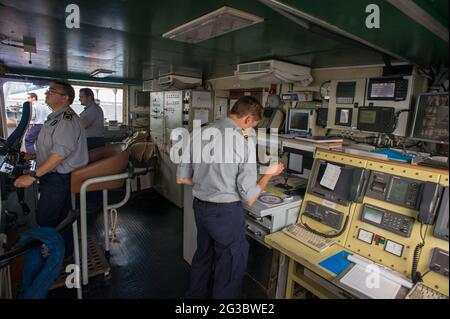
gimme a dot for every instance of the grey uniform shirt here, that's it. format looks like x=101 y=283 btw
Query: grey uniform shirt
x=223 y=182
x=63 y=134
x=93 y=120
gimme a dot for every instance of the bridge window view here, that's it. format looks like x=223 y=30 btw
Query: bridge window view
x=109 y=99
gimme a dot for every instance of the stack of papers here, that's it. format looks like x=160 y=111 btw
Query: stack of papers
x=372 y=280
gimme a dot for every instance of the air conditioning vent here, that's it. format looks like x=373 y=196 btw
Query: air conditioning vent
x=181 y=82
x=274 y=71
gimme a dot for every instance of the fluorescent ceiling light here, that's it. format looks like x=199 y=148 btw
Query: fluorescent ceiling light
x=101 y=73
x=211 y=25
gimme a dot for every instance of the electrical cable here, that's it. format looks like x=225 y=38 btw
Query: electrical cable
x=326 y=235
x=415 y=275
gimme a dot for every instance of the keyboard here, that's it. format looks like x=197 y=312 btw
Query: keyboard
x=420 y=291
x=308 y=238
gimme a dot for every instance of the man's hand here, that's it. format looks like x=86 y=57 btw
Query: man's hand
x=24 y=181
x=274 y=170
x=184 y=181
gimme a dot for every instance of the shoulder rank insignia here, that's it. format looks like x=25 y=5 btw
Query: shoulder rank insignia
x=68 y=116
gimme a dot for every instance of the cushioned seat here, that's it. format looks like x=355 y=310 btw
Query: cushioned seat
x=103 y=161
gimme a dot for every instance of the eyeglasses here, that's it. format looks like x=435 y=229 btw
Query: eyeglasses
x=53 y=91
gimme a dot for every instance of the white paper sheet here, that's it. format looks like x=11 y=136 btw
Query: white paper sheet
x=331 y=176
x=202 y=115
x=222 y=107
x=388 y=273
x=366 y=283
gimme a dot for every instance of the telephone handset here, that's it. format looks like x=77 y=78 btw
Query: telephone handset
x=431 y=194
x=429 y=204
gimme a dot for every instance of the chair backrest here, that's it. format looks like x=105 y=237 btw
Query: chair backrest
x=106 y=151
x=14 y=140
x=103 y=161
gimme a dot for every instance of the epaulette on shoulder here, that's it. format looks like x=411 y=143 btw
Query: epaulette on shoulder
x=68 y=116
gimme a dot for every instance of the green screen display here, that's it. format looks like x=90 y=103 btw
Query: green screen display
x=367 y=117
x=373 y=215
x=398 y=190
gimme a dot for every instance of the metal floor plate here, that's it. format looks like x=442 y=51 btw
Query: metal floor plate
x=148 y=260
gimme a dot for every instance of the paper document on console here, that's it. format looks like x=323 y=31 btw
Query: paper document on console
x=331 y=176
x=372 y=280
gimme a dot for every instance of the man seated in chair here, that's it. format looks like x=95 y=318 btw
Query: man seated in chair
x=60 y=149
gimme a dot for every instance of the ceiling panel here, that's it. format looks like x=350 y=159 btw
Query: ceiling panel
x=125 y=36
x=398 y=33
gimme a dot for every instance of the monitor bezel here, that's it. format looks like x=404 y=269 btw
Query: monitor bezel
x=377 y=81
x=288 y=123
x=337 y=116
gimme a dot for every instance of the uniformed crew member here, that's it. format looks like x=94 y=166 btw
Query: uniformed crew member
x=60 y=149
x=92 y=119
x=218 y=190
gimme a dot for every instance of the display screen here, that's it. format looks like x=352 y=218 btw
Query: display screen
x=295 y=163
x=367 y=117
x=373 y=215
x=398 y=190
x=299 y=121
x=344 y=116
x=382 y=90
x=431 y=121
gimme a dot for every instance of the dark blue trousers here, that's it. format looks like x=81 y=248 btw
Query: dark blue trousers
x=220 y=238
x=94 y=199
x=31 y=137
x=54 y=204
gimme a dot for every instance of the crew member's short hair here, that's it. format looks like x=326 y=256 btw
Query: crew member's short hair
x=33 y=95
x=88 y=92
x=68 y=90
x=248 y=105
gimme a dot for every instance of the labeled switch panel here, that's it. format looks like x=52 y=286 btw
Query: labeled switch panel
x=378 y=240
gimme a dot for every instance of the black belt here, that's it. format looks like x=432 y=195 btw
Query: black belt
x=212 y=203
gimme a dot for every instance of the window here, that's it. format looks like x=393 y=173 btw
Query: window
x=16 y=92
x=110 y=100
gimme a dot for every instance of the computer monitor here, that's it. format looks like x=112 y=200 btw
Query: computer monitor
x=431 y=118
x=298 y=121
x=298 y=160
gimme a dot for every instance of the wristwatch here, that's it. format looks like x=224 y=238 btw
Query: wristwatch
x=33 y=174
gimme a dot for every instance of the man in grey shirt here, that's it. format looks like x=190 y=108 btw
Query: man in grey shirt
x=219 y=187
x=92 y=119
x=60 y=149
x=39 y=113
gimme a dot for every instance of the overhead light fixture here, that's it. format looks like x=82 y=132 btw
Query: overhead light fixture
x=211 y=25
x=101 y=73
